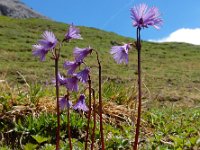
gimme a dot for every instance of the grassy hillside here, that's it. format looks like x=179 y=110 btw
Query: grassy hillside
x=170 y=70
x=170 y=74
x=18 y=36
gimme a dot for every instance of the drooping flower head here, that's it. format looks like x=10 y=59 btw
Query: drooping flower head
x=64 y=102
x=72 y=83
x=71 y=66
x=39 y=51
x=83 y=75
x=73 y=33
x=143 y=16
x=81 y=105
x=120 y=53
x=49 y=40
x=61 y=80
x=81 y=53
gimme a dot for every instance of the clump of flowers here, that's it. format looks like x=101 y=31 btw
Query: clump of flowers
x=142 y=17
x=70 y=81
x=49 y=43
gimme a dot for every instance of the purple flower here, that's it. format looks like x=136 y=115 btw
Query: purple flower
x=81 y=105
x=144 y=17
x=81 y=53
x=73 y=33
x=72 y=83
x=64 y=102
x=120 y=53
x=49 y=40
x=83 y=75
x=39 y=50
x=61 y=80
x=71 y=66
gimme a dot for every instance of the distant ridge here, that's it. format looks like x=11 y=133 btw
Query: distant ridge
x=17 y=9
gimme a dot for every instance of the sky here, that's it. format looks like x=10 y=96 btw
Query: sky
x=181 y=17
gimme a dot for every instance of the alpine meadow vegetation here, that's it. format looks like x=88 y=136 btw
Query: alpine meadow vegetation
x=76 y=97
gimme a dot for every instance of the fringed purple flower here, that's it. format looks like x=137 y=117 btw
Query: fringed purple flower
x=61 y=80
x=73 y=33
x=71 y=66
x=72 y=83
x=39 y=51
x=81 y=105
x=120 y=53
x=64 y=102
x=49 y=40
x=144 y=17
x=81 y=53
x=83 y=75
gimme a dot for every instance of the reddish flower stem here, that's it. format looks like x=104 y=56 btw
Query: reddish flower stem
x=100 y=104
x=94 y=120
x=68 y=124
x=57 y=100
x=137 y=132
x=89 y=113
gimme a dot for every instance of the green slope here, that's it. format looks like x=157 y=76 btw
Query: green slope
x=170 y=71
x=18 y=35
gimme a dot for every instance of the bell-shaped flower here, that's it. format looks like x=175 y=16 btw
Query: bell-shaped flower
x=71 y=66
x=64 y=102
x=81 y=105
x=81 y=53
x=120 y=53
x=72 y=33
x=83 y=75
x=39 y=51
x=61 y=80
x=72 y=83
x=49 y=40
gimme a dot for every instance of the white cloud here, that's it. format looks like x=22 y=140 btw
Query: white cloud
x=186 y=35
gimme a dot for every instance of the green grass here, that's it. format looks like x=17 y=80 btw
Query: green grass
x=167 y=127
x=173 y=128
x=168 y=69
x=171 y=87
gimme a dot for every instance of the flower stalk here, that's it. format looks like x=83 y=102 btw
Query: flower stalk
x=138 y=47
x=94 y=120
x=68 y=124
x=57 y=102
x=142 y=17
x=89 y=112
x=46 y=44
x=100 y=104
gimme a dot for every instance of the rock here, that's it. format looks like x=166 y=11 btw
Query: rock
x=17 y=9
